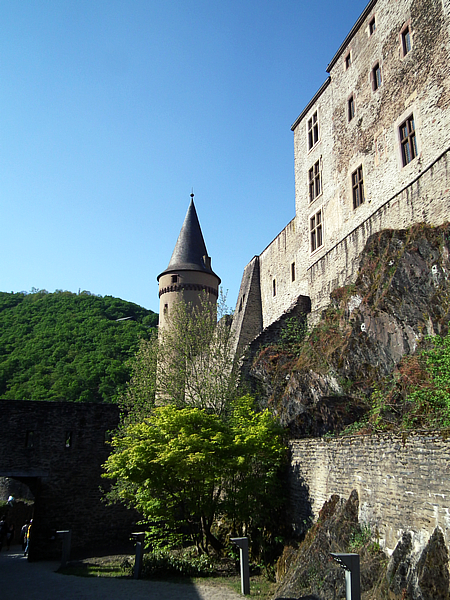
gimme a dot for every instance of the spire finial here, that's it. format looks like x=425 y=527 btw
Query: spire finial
x=192 y=193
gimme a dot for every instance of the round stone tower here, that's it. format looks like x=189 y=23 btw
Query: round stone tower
x=189 y=274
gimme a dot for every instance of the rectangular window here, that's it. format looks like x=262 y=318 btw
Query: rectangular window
x=351 y=108
x=358 y=187
x=315 y=181
x=274 y=287
x=376 y=77
x=313 y=131
x=293 y=271
x=408 y=140
x=348 y=60
x=174 y=278
x=406 y=41
x=68 y=442
x=315 y=228
x=372 y=26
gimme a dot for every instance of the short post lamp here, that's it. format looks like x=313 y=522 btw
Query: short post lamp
x=139 y=537
x=242 y=544
x=350 y=562
x=66 y=535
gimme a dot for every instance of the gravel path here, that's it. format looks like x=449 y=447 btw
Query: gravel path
x=22 y=580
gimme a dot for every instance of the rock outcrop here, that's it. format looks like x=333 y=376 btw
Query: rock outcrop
x=309 y=573
x=402 y=293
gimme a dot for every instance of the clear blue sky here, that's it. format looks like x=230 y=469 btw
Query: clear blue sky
x=113 y=110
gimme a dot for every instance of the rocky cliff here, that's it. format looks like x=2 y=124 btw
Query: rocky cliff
x=322 y=381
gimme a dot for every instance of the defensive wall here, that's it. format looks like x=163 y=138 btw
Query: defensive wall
x=57 y=449
x=403 y=483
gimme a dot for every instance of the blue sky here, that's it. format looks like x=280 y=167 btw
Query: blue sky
x=113 y=110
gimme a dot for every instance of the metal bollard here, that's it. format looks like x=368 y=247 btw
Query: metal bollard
x=66 y=535
x=242 y=544
x=139 y=537
x=350 y=562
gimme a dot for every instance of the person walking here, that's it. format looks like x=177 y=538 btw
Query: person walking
x=28 y=537
x=23 y=535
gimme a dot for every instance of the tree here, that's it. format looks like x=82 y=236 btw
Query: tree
x=189 y=363
x=186 y=467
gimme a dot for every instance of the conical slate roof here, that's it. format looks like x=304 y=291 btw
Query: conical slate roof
x=190 y=250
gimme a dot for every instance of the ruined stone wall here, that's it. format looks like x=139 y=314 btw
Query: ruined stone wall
x=402 y=483
x=247 y=318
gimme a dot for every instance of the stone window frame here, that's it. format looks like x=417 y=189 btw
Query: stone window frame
x=313 y=130
x=292 y=272
x=414 y=111
x=274 y=287
x=357 y=185
x=375 y=80
x=348 y=60
x=174 y=278
x=404 y=51
x=372 y=25
x=351 y=107
x=409 y=148
x=315 y=187
x=316 y=230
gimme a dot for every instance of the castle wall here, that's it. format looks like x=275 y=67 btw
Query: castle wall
x=247 y=318
x=426 y=199
x=57 y=449
x=402 y=483
x=416 y=84
x=279 y=289
x=335 y=144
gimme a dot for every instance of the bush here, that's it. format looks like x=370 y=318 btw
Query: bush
x=165 y=563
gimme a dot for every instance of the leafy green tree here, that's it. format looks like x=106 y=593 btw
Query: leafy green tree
x=187 y=467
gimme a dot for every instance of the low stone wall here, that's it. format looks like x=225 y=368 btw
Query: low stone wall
x=403 y=483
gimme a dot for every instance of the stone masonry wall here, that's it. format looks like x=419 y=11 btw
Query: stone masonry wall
x=247 y=318
x=403 y=483
x=426 y=199
x=57 y=449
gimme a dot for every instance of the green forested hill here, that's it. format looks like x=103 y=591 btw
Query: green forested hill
x=64 y=346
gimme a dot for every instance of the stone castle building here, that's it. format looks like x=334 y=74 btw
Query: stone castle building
x=189 y=272
x=371 y=152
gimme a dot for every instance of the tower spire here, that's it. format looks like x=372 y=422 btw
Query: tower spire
x=189 y=274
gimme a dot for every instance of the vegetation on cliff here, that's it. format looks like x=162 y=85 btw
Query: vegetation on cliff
x=65 y=346
x=379 y=355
